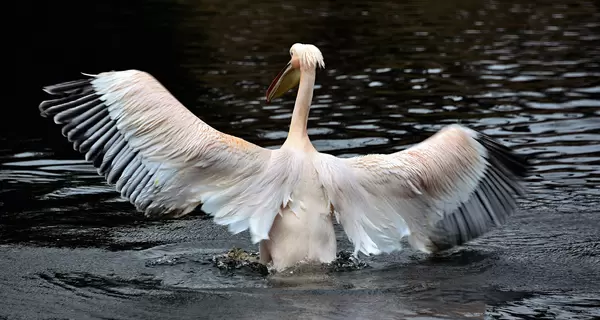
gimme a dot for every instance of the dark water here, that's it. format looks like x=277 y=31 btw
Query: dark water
x=527 y=74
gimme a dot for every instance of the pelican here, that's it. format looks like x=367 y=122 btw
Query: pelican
x=443 y=192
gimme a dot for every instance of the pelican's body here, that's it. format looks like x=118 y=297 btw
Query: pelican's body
x=305 y=225
x=443 y=192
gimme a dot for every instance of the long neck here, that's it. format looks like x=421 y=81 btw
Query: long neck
x=302 y=107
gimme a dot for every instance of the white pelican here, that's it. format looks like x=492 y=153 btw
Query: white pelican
x=449 y=189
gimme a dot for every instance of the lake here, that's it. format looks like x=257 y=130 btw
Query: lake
x=527 y=74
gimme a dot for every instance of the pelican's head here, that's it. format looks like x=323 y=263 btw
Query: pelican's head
x=304 y=57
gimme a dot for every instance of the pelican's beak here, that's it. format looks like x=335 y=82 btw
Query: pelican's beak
x=287 y=79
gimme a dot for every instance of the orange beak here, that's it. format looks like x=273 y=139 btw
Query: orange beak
x=287 y=79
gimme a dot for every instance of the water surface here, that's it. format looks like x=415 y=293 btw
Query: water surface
x=526 y=74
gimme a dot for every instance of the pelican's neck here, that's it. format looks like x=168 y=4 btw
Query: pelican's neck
x=298 y=130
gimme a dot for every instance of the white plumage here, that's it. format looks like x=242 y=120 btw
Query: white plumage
x=445 y=191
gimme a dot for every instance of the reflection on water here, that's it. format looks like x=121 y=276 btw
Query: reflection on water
x=526 y=74
x=549 y=307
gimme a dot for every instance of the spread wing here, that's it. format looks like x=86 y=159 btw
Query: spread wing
x=163 y=158
x=443 y=192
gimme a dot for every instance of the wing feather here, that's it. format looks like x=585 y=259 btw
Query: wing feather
x=164 y=159
x=447 y=190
